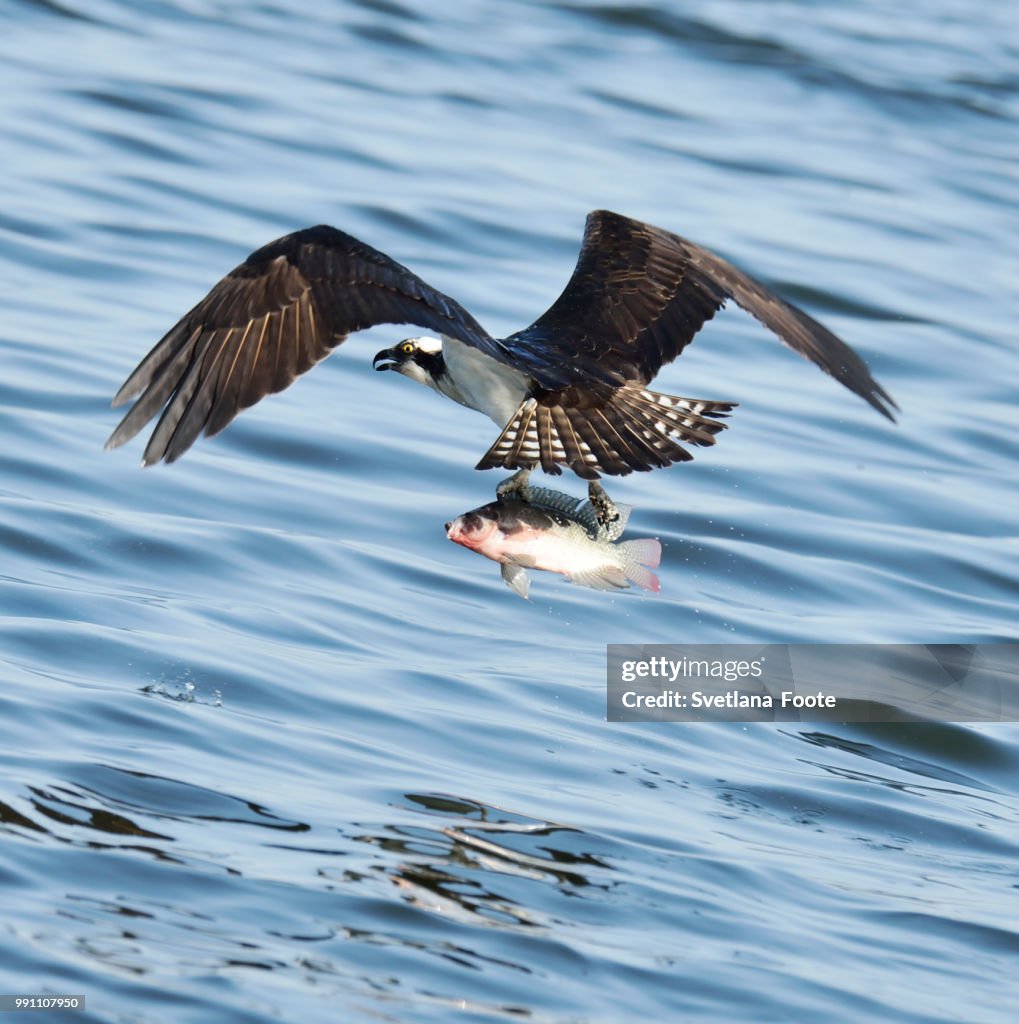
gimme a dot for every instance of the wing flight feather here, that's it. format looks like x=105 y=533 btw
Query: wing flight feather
x=286 y=307
x=638 y=296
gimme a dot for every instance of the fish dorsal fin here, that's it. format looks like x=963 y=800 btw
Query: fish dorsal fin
x=580 y=510
x=516 y=578
x=557 y=501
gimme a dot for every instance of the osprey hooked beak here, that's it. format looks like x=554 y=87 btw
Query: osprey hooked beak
x=388 y=358
x=413 y=357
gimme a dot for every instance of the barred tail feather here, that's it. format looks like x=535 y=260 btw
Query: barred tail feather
x=635 y=429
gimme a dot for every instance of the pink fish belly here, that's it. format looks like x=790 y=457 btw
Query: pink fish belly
x=548 y=551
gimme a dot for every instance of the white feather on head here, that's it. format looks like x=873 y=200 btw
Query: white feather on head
x=426 y=343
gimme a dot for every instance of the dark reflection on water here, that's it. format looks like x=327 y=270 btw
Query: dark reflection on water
x=272 y=749
x=895 y=760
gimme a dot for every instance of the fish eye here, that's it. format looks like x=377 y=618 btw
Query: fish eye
x=407 y=347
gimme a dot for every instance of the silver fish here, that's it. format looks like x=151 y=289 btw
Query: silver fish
x=545 y=529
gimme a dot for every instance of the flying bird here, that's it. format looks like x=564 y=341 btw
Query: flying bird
x=570 y=390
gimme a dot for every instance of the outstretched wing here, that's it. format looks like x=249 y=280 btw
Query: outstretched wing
x=639 y=295
x=286 y=307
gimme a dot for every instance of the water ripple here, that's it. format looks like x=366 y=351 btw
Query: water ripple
x=272 y=747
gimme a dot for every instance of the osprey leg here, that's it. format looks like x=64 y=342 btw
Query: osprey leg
x=604 y=507
x=515 y=485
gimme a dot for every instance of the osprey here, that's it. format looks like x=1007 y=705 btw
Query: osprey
x=570 y=390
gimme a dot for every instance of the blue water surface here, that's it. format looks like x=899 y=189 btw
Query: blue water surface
x=271 y=748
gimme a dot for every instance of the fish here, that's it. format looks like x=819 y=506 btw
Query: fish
x=539 y=528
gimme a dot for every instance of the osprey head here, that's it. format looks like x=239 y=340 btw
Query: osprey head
x=417 y=358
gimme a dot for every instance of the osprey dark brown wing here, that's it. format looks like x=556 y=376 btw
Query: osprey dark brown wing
x=286 y=307
x=639 y=295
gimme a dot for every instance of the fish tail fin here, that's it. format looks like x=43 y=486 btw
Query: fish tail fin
x=633 y=429
x=645 y=551
x=639 y=558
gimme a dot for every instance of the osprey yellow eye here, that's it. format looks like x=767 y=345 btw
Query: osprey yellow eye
x=406 y=348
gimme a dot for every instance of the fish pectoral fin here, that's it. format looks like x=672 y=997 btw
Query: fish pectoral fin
x=523 y=561
x=605 y=577
x=516 y=578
